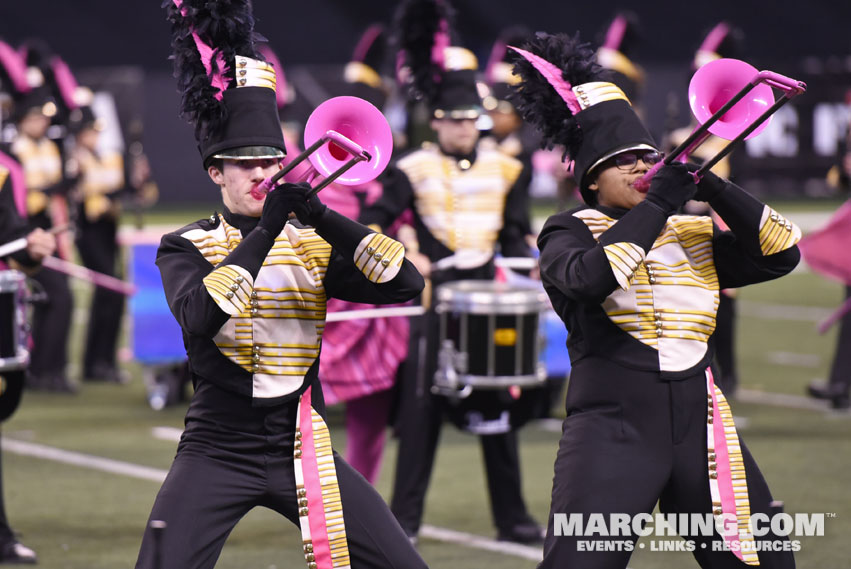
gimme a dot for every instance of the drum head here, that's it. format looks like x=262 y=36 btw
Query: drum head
x=492 y=412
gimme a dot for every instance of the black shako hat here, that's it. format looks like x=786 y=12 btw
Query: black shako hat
x=429 y=66
x=228 y=91
x=616 y=50
x=364 y=74
x=566 y=95
x=499 y=71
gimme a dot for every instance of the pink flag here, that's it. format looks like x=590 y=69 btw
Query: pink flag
x=828 y=250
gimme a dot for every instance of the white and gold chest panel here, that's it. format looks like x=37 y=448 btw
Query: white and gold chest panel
x=668 y=297
x=41 y=161
x=99 y=177
x=461 y=204
x=277 y=320
x=42 y=166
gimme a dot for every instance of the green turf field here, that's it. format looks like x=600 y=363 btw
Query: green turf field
x=78 y=517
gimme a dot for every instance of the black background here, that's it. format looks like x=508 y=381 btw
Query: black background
x=123 y=46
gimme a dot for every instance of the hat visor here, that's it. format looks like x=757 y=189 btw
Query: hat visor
x=617 y=151
x=459 y=113
x=250 y=153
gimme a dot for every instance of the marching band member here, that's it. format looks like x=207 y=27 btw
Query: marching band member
x=40 y=244
x=722 y=41
x=100 y=184
x=361 y=358
x=467 y=201
x=248 y=287
x=46 y=207
x=637 y=286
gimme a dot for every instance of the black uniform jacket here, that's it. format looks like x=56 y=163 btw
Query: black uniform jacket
x=476 y=201
x=252 y=309
x=12 y=225
x=641 y=289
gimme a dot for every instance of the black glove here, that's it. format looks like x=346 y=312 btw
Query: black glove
x=310 y=210
x=278 y=205
x=671 y=187
x=710 y=184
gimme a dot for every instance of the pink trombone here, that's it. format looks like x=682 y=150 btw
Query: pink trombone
x=708 y=87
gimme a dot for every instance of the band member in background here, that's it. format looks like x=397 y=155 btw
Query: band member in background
x=637 y=287
x=361 y=358
x=468 y=202
x=507 y=132
x=47 y=207
x=616 y=54
x=819 y=250
x=248 y=287
x=100 y=185
x=39 y=245
x=721 y=41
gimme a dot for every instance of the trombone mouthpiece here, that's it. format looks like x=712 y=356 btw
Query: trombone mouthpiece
x=643 y=184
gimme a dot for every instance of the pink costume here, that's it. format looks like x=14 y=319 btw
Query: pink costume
x=360 y=358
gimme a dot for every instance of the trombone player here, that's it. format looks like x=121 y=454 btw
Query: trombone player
x=248 y=287
x=637 y=286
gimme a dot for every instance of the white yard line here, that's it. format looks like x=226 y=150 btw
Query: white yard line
x=167 y=433
x=770 y=311
x=793 y=359
x=93 y=462
x=780 y=400
x=479 y=542
x=84 y=460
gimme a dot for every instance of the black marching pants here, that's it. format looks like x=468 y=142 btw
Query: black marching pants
x=51 y=323
x=631 y=439
x=419 y=421
x=840 y=369
x=233 y=457
x=99 y=252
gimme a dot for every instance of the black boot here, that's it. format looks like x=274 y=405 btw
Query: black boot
x=836 y=393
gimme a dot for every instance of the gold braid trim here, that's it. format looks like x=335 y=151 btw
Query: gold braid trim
x=379 y=257
x=776 y=233
x=230 y=286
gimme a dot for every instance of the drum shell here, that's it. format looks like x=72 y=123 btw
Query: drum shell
x=489 y=340
x=14 y=354
x=497 y=345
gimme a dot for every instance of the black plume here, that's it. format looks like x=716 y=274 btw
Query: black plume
x=416 y=22
x=535 y=98
x=227 y=28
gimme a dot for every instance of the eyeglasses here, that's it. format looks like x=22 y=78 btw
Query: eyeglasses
x=628 y=160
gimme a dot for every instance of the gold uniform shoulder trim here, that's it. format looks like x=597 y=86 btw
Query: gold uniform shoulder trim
x=230 y=286
x=776 y=233
x=379 y=257
x=624 y=259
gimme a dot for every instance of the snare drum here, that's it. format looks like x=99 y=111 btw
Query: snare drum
x=488 y=365
x=14 y=354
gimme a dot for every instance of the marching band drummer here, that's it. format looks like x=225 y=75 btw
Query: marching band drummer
x=466 y=199
x=39 y=245
x=248 y=288
x=46 y=207
x=637 y=287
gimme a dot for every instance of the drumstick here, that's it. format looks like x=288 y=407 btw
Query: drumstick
x=94 y=277
x=21 y=243
x=375 y=313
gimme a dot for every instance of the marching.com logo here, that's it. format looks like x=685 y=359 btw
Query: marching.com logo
x=689 y=527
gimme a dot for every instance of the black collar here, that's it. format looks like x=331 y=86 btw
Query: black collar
x=469 y=157
x=613 y=212
x=244 y=223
